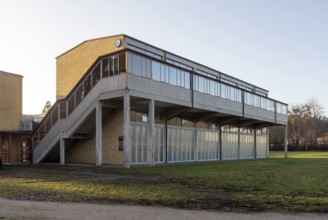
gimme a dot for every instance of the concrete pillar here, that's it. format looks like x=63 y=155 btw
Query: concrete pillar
x=255 y=144
x=126 y=121
x=62 y=151
x=268 y=142
x=151 y=126
x=286 y=142
x=99 y=134
x=220 y=142
x=238 y=143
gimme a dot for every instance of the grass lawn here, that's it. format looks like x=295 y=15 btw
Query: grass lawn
x=298 y=154
x=297 y=184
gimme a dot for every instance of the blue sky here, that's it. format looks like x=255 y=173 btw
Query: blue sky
x=279 y=45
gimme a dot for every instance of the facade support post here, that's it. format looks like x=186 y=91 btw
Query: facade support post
x=220 y=142
x=268 y=142
x=126 y=121
x=286 y=141
x=239 y=143
x=255 y=143
x=151 y=131
x=62 y=151
x=99 y=134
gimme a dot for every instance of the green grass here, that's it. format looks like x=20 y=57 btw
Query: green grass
x=297 y=184
x=298 y=154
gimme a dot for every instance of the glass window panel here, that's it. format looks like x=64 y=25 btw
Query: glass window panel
x=201 y=84
x=167 y=74
x=173 y=76
x=143 y=67
x=162 y=72
x=196 y=83
x=148 y=68
x=115 y=65
x=122 y=63
x=271 y=105
x=130 y=63
x=187 y=80
x=156 y=71
x=207 y=86
x=179 y=77
x=223 y=91
x=182 y=79
x=257 y=101
x=211 y=87
x=136 y=65
x=239 y=95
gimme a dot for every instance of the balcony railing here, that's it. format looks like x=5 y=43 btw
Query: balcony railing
x=105 y=67
x=154 y=69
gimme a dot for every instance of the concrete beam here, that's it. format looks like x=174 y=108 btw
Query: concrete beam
x=81 y=136
x=246 y=123
x=204 y=116
x=227 y=120
x=113 y=104
x=173 y=112
x=260 y=125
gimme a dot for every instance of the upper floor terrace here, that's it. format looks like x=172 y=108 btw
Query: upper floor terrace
x=170 y=79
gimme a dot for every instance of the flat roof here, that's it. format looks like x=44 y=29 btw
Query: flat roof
x=226 y=76
x=10 y=74
x=93 y=39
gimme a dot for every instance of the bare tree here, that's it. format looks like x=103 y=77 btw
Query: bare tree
x=46 y=107
x=307 y=125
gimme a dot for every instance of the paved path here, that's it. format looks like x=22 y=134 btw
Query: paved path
x=27 y=210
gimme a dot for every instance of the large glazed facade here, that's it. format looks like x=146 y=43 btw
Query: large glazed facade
x=121 y=101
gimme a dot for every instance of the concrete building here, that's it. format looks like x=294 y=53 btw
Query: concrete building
x=121 y=101
x=14 y=144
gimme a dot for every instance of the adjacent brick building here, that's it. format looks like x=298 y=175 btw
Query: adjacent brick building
x=14 y=143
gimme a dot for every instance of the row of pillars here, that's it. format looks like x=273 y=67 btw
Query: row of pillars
x=126 y=133
x=126 y=126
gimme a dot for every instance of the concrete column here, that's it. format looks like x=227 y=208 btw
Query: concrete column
x=126 y=121
x=99 y=134
x=220 y=142
x=238 y=143
x=286 y=142
x=268 y=142
x=255 y=144
x=62 y=151
x=151 y=126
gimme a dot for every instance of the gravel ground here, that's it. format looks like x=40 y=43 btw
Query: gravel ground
x=14 y=209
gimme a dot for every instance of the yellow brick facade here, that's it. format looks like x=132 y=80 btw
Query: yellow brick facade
x=111 y=133
x=10 y=101
x=73 y=64
x=85 y=151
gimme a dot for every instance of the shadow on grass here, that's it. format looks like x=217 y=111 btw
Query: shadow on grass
x=297 y=185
